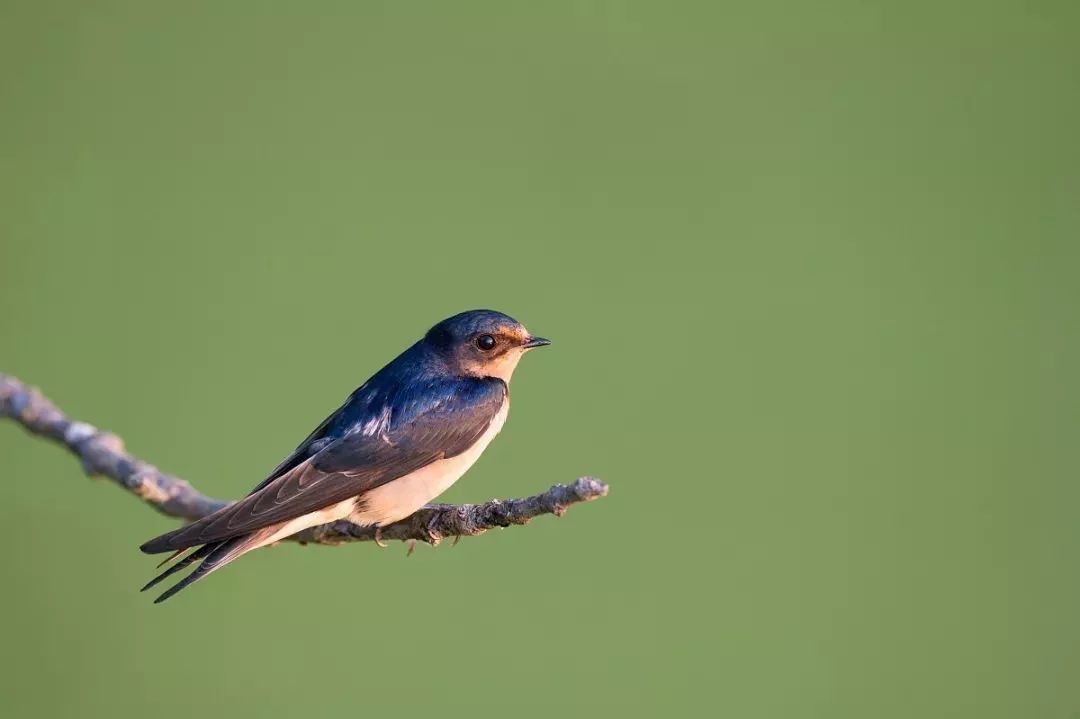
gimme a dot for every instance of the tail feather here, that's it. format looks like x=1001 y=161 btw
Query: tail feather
x=194 y=556
x=171 y=557
x=214 y=556
x=215 y=559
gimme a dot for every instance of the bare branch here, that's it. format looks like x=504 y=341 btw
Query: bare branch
x=103 y=454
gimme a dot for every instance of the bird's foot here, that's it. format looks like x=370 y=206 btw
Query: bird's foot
x=433 y=535
x=378 y=537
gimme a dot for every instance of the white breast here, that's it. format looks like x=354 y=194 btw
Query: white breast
x=403 y=496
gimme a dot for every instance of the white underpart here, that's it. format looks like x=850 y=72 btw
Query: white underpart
x=286 y=529
x=396 y=499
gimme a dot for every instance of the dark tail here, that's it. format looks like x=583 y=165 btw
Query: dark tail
x=214 y=556
x=198 y=554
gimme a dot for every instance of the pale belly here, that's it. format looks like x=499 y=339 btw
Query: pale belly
x=277 y=532
x=399 y=498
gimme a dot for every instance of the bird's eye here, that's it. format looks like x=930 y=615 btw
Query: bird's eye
x=485 y=342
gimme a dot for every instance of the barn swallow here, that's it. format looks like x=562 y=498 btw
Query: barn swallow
x=399 y=441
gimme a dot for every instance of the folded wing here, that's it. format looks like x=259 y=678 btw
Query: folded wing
x=414 y=427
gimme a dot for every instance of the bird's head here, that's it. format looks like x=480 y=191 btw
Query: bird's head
x=482 y=343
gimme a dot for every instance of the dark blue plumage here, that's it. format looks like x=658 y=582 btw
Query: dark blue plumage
x=405 y=388
x=434 y=402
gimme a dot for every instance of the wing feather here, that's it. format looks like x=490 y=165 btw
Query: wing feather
x=426 y=423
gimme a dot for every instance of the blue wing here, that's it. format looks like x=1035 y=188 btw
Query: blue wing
x=376 y=437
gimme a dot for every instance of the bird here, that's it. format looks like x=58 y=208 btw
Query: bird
x=399 y=440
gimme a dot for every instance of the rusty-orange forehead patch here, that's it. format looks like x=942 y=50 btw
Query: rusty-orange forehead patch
x=513 y=335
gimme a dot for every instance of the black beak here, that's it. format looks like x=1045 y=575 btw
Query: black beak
x=536 y=342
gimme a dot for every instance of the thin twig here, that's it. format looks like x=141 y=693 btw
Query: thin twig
x=102 y=454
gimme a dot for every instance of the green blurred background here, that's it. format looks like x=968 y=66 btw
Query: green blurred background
x=811 y=273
